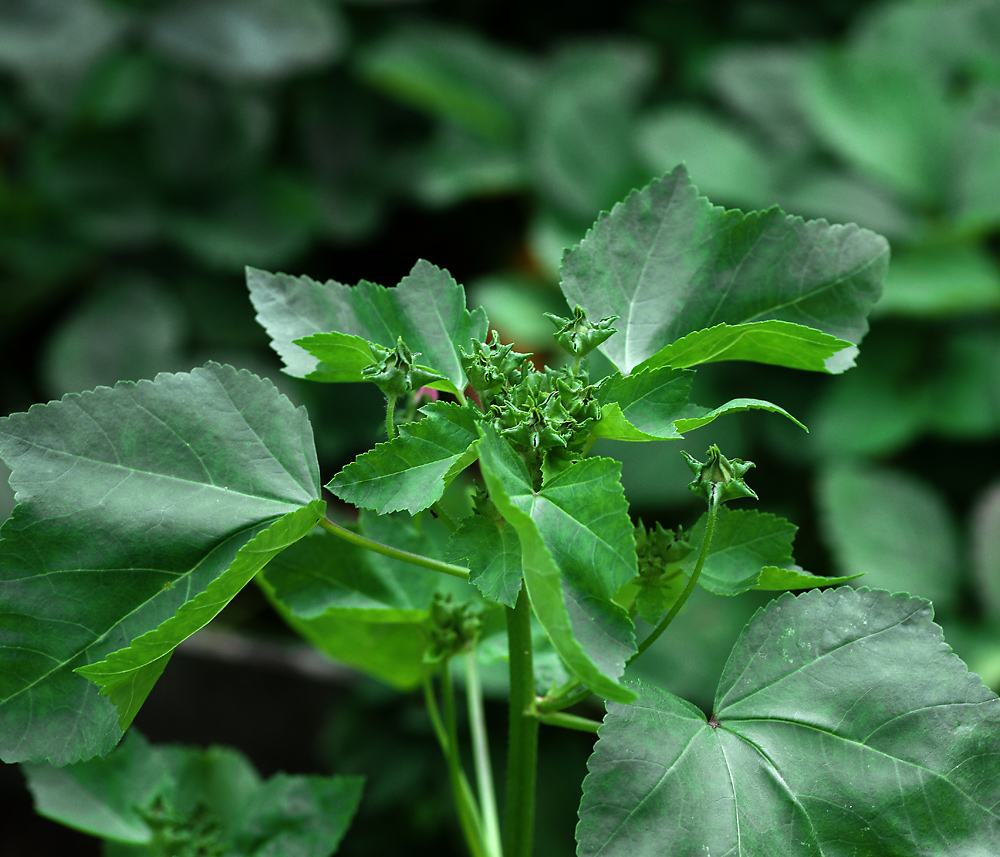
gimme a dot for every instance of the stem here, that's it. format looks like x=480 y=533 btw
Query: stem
x=395 y=553
x=566 y=696
x=569 y=721
x=522 y=758
x=713 y=508
x=447 y=735
x=446 y=519
x=390 y=407
x=481 y=758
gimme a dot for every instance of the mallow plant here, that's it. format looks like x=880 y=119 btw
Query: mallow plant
x=487 y=532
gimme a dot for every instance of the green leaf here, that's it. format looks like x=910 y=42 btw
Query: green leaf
x=779 y=343
x=644 y=405
x=356 y=606
x=134 y=501
x=341 y=357
x=821 y=742
x=215 y=794
x=249 y=40
x=894 y=527
x=940 y=281
x=411 y=471
x=670 y=263
x=493 y=554
x=731 y=407
x=427 y=309
x=985 y=538
x=775 y=579
x=578 y=550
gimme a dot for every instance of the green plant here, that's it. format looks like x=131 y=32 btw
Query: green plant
x=842 y=723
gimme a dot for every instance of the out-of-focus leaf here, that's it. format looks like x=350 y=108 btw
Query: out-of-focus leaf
x=935 y=281
x=458 y=164
x=966 y=393
x=427 y=309
x=906 y=765
x=985 y=549
x=249 y=40
x=580 y=144
x=668 y=263
x=142 y=510
x=892 y=527
x=779 y=343
x=454 y=74
x=723 y=163
x=214 y=793
x=577 y=550
x=493 y=554
x=412 y=470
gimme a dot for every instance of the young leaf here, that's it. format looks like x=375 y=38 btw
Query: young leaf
x=822 y=741
x=781 y=343
x=427 y=309
x=412 y=470
x=643 y=405
x=702 y=416
x=493 y=555
x=578 y=550
x=134 y=501
x=669 y=263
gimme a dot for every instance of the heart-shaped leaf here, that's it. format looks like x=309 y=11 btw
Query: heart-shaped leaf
x=143 y=509
x=843 y=725
x=668 y=263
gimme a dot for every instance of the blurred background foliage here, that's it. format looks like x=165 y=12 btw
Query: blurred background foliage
x=149 y=149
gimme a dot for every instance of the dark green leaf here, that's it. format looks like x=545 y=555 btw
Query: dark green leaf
x=427 y=309
x=669 y=263
x=412 y=470
x=493 y=555
x=821 y=742
x=578 y=550
x=894 y=527
x=143 y=508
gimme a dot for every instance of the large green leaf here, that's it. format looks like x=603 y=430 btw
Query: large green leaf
x=214 y=792
x=411 y=471
x=842 y=725
x=143 y=508
x=356 y=606
x=577 y=550
x=668 y=263
x=427 y=309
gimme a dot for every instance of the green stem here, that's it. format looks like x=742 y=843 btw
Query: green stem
x=713 y=508
x=439 y=512
x=481 y=757
x=522 y=757
x=569 y=721
x=395 y=553
x=447 y=735
x=566 y=696
x=390 y=407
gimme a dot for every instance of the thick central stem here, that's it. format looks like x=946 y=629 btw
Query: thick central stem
x=522 y=758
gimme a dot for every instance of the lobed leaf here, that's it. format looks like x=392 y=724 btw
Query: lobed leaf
x=136 y=504
x=411 y=471
x=427 y=309
x=493 y=554
x=669 y=263
x=577 y=550
x=821 y=743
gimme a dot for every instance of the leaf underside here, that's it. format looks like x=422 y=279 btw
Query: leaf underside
x=843 y=725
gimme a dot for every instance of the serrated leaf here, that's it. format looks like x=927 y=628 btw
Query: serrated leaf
x=669 y=263
x=733 y=406
x=775 y=579
x=216 y=791
x=427 y=309
x=341 y=357
x=780 y=343
x=820 y=743
x=643 y=405
x=356 y=606
x=578 y=550
x=493 y=555
x=133 y=501
x=411 y=471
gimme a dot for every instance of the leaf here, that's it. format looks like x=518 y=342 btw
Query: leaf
x=341 y=357
x=985 y=538
x=733 y=406
x=578 y=550
x=775 y=579
x=644 y=405
x=134 y=501
x=358 y=607
x=893 y=526
x=427 y=309
x=820 y=743
x=493 y=555
x=669 y=263
x=215 y=792
x=779 y=343
x=411 y=471
x=249 y=40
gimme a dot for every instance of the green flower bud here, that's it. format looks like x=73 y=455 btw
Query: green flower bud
x=577 y=335
x=719 y=479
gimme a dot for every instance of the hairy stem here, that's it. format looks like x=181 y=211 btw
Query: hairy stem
x=395 y=553
x=713 y=508
x=390 y=408
x=522 y=756
x=481 y=758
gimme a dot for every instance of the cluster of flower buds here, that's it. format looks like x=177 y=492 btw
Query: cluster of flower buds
x=396 y=373
x=660 y=552
x=452 y=628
